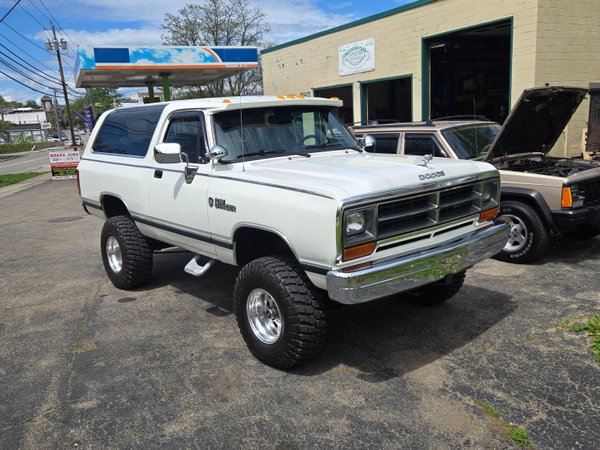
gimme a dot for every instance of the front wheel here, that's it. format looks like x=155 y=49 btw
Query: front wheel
x=528 y=238
x=126 y=253
x=280 y=315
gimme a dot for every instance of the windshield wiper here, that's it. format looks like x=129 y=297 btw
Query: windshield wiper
x=260 y=153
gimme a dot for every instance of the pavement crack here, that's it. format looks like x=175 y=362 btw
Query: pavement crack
x=85 y=321
x=25 y=422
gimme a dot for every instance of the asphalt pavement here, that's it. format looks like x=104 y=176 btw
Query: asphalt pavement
x=83 y=364
x=35 y=161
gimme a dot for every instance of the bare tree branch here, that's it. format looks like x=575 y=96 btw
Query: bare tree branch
x=218 y=23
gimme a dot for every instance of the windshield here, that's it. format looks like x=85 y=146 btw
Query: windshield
x=471 y=141
x=280 y=131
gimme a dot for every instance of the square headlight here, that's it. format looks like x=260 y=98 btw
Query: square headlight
x=355 y=223
x=359 y=226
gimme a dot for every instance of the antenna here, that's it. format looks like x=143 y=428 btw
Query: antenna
x=475 y=128
x=241 y=119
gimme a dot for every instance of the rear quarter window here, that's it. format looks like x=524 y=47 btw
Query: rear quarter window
x=128 y=131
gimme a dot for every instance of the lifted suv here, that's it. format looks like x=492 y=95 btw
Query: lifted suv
x=278 y=187
x=540 y=194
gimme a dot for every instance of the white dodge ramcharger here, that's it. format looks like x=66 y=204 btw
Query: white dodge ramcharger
x=278 y=187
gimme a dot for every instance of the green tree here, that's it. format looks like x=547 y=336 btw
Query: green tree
x=4 y=127
x=219 y=23
x=31 y=104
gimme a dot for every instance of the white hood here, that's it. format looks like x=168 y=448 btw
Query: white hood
x=341 y=175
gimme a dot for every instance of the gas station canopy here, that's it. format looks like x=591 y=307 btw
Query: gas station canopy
x=116 y=67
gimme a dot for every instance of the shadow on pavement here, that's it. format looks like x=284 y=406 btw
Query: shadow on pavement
x=382 y=339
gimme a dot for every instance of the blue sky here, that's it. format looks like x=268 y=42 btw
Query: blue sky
x=137 y=22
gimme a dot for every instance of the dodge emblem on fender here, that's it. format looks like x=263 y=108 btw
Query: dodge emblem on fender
x=210 y=202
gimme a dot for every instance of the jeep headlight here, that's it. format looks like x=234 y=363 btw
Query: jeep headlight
x=359 y=226
x=572 y=196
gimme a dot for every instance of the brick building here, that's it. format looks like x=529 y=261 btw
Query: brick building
x=435 y=58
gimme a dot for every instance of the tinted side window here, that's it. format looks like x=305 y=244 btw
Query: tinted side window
x=188 y=132
x=128 y=131
x=421 y=144
x=386 y=143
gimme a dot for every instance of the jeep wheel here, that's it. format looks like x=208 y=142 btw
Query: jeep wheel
x=126 y=253
x=528 y=238
x=279 y=313
x=438 y=292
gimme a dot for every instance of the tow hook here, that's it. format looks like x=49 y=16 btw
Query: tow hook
x=195 y=269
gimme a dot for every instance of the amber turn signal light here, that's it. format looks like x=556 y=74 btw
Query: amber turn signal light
x=488 y=215
x=566 y=200
x=358 y=251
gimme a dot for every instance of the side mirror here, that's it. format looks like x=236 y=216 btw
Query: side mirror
x=167 y=153
x=217 y=153
x=368 y=143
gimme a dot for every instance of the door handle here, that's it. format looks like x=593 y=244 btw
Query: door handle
x=158 y=173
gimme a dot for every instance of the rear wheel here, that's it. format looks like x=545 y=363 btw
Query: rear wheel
x=280 y=314
x=528 y=238
x=126 y=253
x=440 y=291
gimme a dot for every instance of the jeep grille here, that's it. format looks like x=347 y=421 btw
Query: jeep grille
x=591 y=192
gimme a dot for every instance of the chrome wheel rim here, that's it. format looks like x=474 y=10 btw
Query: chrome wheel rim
x=517 y=237
x=113 y=254
x=264 y=316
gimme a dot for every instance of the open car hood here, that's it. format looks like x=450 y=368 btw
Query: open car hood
x=536 y=121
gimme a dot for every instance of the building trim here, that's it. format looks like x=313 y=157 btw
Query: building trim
x=425 y=75
x=356 y=23
x=335 y=86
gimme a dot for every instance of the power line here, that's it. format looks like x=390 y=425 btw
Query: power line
x=23 y=84
x=48 y=11
x=32 y=67
x=35 y=59
x=40 y=11
x=24 y=37
x=10 y=66
x=32 y=16
x=9 y=11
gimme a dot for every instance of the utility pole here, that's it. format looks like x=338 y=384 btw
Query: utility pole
x=55 y=44
x=56 y=115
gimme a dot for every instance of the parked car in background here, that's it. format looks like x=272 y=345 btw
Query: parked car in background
x=541 y=194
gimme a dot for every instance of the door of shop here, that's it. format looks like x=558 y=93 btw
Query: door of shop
x=388 y=100
x=469 y=73
x=344 y=93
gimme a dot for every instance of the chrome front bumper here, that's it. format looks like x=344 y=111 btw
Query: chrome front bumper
x=411 y=271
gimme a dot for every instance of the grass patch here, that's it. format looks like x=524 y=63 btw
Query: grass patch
x=489 y=409
x=26 y=147
x=13 y=178
x=592 y=327
x=519 y=436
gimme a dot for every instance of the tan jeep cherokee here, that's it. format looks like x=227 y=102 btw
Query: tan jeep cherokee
x=540 y=194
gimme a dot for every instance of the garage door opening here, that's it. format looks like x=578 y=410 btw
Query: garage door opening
x=470 y=72
x=388 y=100
x=344 y=93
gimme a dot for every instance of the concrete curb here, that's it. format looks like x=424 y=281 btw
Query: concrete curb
x=18 y=187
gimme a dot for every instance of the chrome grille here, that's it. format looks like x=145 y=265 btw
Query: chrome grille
x=421 y=211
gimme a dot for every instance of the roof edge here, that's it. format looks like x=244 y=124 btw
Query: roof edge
x=381 y=15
